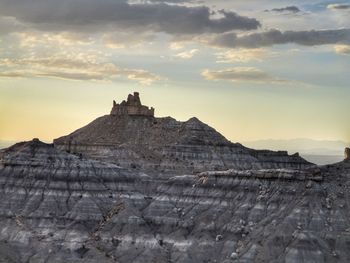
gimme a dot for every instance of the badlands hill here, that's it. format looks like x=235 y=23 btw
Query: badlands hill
x=132 y=137
x=130 y=187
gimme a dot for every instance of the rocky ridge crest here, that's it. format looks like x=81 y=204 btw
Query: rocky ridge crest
x=165 y=145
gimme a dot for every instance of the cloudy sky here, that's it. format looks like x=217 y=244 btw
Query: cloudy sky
x=253 y=69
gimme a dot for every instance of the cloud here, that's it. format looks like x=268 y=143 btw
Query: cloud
x=176 y=45
x=339 y=6
x=172 y=1
x=72 y=67
x=66 y=55
x=289 y=9
x=32 y=39
x=241 y=74
x=106 y=15
x=124 y=39
x=243 y=55
x=142 y=76
x=187 y=54
x=342 y=49
x=10 y=24
x=274 y=37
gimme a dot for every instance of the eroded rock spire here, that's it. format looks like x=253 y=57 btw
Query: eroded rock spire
x=132 y=106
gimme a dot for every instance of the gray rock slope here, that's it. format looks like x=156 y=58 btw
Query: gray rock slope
x=165 y=145
x=62 y=207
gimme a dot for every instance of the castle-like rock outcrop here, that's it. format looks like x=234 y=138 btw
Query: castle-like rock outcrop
x=132 y=106
x=166 y=145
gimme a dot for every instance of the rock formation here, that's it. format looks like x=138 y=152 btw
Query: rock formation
x=165 y=145
x=71 y=201
x=347 y=154
x=60 y=207
x=132 y=106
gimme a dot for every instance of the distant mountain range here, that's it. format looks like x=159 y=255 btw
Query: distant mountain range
x=316 y=151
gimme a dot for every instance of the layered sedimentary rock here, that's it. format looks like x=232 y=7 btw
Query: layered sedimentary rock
x=61 y=207
x=165 y=145
x=130 y=187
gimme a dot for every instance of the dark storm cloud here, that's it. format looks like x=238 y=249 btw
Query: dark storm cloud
x=292 y=9
x=105 y=15
x=274 y=37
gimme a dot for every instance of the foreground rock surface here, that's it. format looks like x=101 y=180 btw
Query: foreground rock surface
x=60 y=207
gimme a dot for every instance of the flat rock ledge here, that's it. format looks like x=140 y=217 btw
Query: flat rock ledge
x=313 y=174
